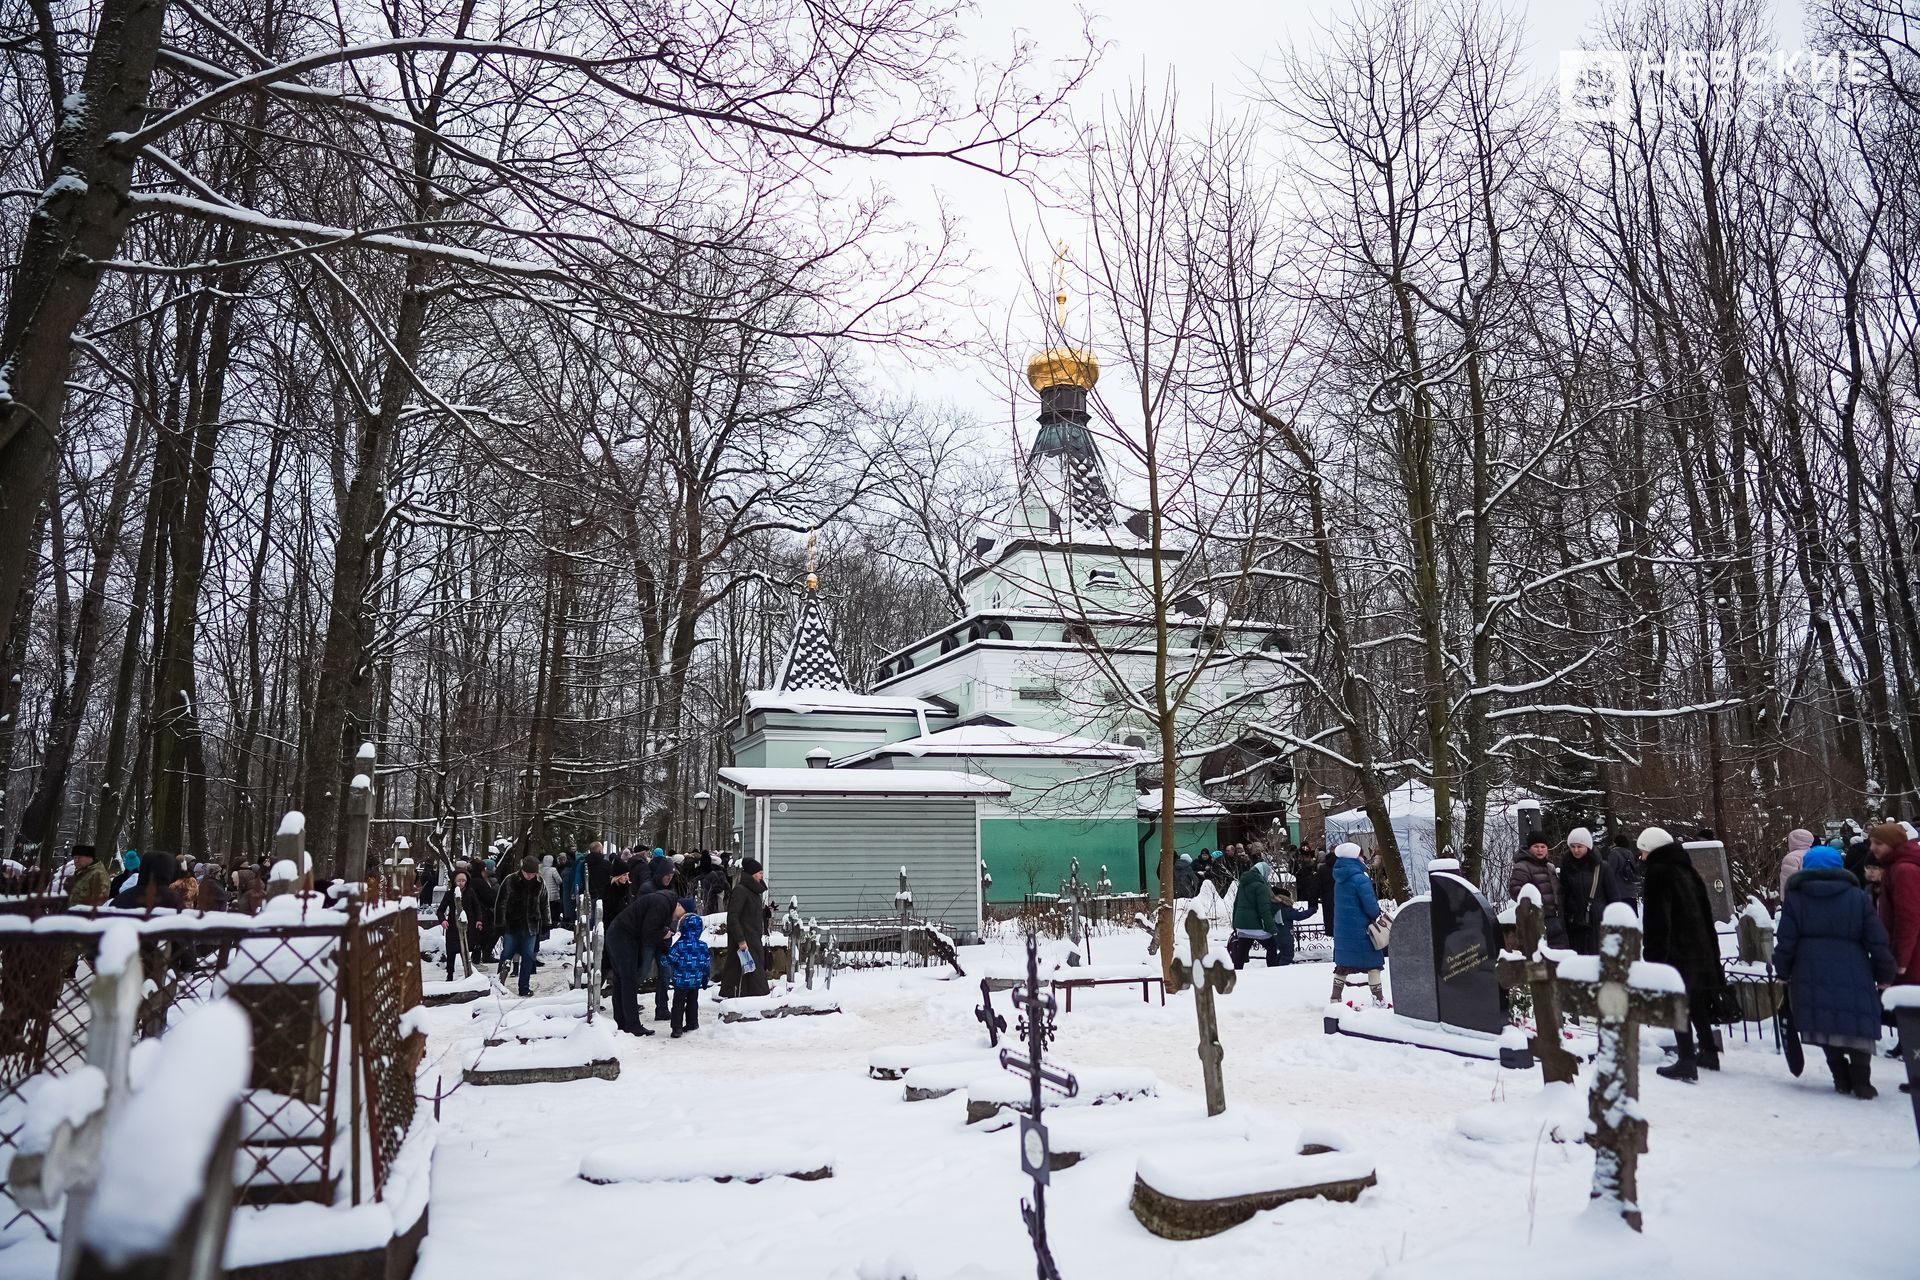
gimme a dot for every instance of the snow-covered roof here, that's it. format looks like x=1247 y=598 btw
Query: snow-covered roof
x=860 y=782
x=832 y=700
x=1186 y=804
x=1000 y=740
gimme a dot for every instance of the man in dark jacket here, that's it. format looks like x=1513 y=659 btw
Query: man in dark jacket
x=1680 y=932
x=1622 y=862
x=637 y=943
x=1583 y=892
x=152 y=885
x=1534 y=867
x=1831 y=948
x=746 y=932
x=520 y=914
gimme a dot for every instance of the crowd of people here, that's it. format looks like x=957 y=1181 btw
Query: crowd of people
x=1848 y=924
x=653 y=906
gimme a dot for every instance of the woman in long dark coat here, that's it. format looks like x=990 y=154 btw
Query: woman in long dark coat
x=746 y=927
x=1680 y=932
x=1831 y=948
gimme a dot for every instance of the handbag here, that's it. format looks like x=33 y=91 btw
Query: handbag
x=1789 y=1036
x=746 y=959
x=1380 y=930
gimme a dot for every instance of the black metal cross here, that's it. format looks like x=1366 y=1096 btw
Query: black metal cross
x=995 y=1022
x=1036 y=1008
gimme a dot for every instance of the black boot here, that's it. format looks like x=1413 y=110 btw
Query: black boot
x=1863 y=1076
x=1842 y=1069
x=1685 y=1070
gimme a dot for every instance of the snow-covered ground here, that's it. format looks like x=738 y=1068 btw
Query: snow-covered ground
x=1751 y=1172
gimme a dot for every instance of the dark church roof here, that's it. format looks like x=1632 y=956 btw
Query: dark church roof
x=811 y=662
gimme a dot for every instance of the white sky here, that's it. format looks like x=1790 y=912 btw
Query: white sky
x=1214 y=48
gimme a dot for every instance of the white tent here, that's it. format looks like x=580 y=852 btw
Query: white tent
x=1410 y=810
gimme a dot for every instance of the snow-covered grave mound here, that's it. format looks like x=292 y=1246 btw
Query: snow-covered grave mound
x=894 y=1061
x=558 y=942
x=1197 y=1190
x=706 y=1162
x=990 y=1095
x=1073 y=1136
x=783 y=1005
x=529 y=1030
x=587 y=1052
x=459 y=991
x=1389 y=1027
x=1557 y=1113
x=938 y=1079
x=568 y=1004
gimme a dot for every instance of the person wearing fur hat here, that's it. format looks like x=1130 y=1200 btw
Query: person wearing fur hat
x=746 y=934
x=1678 y=923
x=1799 y=840
x=1354 y=907
x=90 y=885
x=1831 y=948
x=1897 y=854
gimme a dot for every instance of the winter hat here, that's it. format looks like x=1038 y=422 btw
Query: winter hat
x=1186 y=857
x=1799 y=840
x=529 y=864
x=688 y=905
x=131 y=860
x=750 y=867
x=1891 y=834
x=82 y=851
x=1653 y=838
x=1580 y=835
x=1347 y=850
x=1821 y=857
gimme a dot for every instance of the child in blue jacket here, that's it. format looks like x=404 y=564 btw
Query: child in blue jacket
x=689 y=965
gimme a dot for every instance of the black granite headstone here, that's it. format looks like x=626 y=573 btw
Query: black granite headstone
x=1416 y=991
x=1466 y=951
x=1709 y=858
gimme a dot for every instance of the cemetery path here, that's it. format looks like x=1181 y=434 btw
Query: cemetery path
x=918 y=1193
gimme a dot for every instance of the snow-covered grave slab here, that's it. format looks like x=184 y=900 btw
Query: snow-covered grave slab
x=938 y=1079
x=530 y=1030
x=569 y=1004
x=1073 y=1136
x=471 y=987
x=1001 y=1094
x=707 y=1162
x=1388 y=1027
x=587 y=1053
x=894 y=1061
x=1199 y=1190
x=1557 y=1113
x=784 y=1005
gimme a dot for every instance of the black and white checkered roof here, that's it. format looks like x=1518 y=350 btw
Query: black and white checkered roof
x=811 y=663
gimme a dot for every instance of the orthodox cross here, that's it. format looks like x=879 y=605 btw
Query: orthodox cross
x=1557 y=1065
x=1060 y=285
x=1036 y=1009
x=1206 y=975
x=813 y=560
x=1626 y=993
x=994 y=1022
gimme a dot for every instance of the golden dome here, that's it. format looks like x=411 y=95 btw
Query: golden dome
x=1063 y=367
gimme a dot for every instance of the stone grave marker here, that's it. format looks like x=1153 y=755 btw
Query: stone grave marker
x=1466 y=952
x=1416 y=986
x=1205 y=979
x=1709 y=858
x=1620 y=1005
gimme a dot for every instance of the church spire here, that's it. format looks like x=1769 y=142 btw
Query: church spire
x=1063 y=375
x=811 y=662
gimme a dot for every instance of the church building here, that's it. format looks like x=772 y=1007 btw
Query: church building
x=1025 y=720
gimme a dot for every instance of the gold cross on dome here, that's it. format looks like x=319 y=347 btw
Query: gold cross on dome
x=1060 y=285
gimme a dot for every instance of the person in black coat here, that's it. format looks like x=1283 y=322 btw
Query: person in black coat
x=637 y=943
x=746 y=930
x=1678 y=920
x=152 y=887
x=1584 y=892
x=1831 y=948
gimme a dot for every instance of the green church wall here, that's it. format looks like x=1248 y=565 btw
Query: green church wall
x=1026 y=855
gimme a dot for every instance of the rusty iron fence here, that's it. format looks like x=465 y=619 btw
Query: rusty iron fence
x=327 y=991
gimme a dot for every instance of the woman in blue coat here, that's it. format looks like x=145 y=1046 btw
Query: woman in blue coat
x=1831 y=948
x=1354 y=907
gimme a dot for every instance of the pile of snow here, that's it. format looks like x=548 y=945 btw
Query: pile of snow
x=475 y=981
x=894 y=1061
x=752 y=1161
x=1900 y=998
x=1557 y=1113
x=1208 y=1171
x=937 y=1079
x=155 y=1151
x=587 y=1043
x=1097 y=1085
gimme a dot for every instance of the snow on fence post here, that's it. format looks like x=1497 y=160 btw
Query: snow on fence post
x=290 y=848
x=359 y=816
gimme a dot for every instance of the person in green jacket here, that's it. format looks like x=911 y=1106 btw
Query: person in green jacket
x=1260 y=915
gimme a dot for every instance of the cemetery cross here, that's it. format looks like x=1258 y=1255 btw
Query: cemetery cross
x=1206 y=975
x=995 y=1022
x=1620 y=1004
x=1557 y=1064
x=1036 y=1008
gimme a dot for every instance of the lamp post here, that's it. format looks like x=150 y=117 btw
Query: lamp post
x=700 y=801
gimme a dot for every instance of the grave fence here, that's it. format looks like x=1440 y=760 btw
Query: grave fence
x=331 y=1095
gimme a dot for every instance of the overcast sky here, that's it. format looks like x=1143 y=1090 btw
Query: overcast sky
x=1216 y=48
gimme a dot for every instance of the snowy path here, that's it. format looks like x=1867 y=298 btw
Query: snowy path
x=917 y=1193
